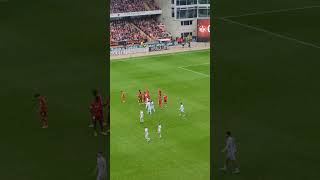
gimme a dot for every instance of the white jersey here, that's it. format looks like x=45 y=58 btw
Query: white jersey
x=181 y=108
x=148 y=105
x=141 y=114
x=146 y=132
x=230 y=145
x=159 y=128
x=101 y=167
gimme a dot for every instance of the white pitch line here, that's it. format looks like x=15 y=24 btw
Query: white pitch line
x=271 y=33
x=196 y=65
x=199 y=73
x=272 y=11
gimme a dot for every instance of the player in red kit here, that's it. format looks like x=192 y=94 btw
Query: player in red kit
x=43 y=110
x=96 y=109
x=159 y=92
x=140 y=97
x=165 y=99
x=160 y=101
x=144 y=97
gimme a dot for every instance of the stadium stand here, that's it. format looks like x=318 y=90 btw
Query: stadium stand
x=122 y=6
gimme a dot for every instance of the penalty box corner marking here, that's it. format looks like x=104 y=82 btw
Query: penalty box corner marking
x=195 y=72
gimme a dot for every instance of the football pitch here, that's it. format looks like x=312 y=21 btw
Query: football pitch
x=183 y=152
x=266 y=88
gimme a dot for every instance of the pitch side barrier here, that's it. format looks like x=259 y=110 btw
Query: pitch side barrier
x=134 y=49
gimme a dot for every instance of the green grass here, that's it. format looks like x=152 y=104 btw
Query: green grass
x=266 y=90
x=56 y=47
x=184 y=150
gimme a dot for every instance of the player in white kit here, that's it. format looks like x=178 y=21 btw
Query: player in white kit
x=101 y=167
x=152 y=106
x=181 y=109
x=159 y=130
x=148 y=106
x=230 y=150
x=141 y=117
x=146 y=134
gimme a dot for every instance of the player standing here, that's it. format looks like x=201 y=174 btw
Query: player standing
x=230 y=150
x=148 y=106
x=181 y=109
x=152 y=106
x=101 y=167
x=160 y=101
x=146 y=134
x=144 y=97
x=96 y=94
x=159 y=92
x=140 y=97
x=123 y=97
x=165 y=99
x=96 y=109
x=159 y=130
x=141 y=117
x=43 y=110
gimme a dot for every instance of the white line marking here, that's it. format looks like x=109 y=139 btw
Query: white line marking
x=199 y=73
x=196 y=65
x=272 y=11
x=271 y=33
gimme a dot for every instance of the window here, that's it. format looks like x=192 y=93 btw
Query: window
x=190 y=12
x=186 y=34
x=204 y=12
x=172 y=1
x=186 y=23
x=186 y=2
x=172 y=12
x=204 y=1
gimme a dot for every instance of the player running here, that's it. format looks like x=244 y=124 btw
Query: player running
x=43 y=110
x=159 y=130
x=146 y=134
x=181 y=109
x=96 y=110
x=230 y=150
x=141 y=117
x=101 y=167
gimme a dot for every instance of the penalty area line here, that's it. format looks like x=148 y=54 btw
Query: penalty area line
x=199 y=73
x=272 y=11
x=270 y=33
x=196 y=65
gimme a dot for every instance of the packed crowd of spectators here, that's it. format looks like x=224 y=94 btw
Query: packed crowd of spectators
x=121 y=6
x=151 y=27
x=122 y=30
x=137 y=30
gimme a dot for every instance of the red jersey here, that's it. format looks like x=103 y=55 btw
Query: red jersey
x=160 y=101
x=42 y=104
x=165 y=98
x=159 y=92
x=97 y=109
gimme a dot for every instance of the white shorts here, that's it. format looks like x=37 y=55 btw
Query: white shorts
x=231 y=156
x=101 y=176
